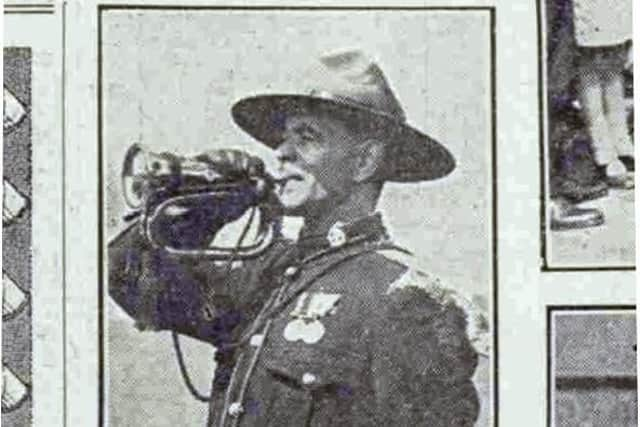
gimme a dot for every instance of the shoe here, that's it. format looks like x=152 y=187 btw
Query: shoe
x=567 y=216
x=577 y=192
x=574 y=174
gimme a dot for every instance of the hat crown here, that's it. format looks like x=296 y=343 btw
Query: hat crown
x=352 y=78
x=353 y=87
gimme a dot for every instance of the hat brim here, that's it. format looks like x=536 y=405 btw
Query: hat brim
x=411 y=155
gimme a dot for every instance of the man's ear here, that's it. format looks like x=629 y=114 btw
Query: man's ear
x=369 y=158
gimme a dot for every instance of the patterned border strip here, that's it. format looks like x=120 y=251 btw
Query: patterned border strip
x=16 y=224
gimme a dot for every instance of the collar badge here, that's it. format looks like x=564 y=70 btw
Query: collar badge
x=336 y=235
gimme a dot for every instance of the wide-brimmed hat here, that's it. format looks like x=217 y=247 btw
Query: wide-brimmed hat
x=352 y=86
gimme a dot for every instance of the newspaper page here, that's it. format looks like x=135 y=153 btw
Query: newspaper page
x=330 y=213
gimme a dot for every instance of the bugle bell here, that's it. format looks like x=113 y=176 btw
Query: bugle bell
x=194 y=207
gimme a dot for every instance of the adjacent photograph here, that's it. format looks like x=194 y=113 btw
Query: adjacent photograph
x=592 y=373
x=16 y=238
x=297 y=210
x=588 y=163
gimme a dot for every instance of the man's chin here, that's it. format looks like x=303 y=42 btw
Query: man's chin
x=302 y=203
x=300 y=208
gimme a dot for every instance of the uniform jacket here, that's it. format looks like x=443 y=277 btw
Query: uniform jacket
x=310 y=335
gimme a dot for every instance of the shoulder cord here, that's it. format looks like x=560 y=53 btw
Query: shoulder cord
x=183 y=371
x=207 y=311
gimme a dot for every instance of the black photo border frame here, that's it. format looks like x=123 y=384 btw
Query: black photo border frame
x=106 y=7
x=550 y=309
x=543 y=123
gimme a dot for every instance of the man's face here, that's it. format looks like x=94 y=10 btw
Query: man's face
x=317 y=163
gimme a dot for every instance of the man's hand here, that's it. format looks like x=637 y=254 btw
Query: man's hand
x=194 y=210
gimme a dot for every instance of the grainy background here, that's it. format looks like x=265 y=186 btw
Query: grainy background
x=16 y=237
x=170 y=78
x=595 y=369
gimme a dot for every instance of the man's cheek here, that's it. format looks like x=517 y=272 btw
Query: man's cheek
x=334 y=181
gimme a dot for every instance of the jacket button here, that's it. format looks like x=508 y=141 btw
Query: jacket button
x=308 y=378
x=290 y=272
x=256 y=340
x=235 y=409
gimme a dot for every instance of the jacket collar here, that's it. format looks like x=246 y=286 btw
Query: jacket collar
x=365 y=229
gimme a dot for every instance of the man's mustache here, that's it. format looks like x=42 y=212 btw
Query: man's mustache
x=281 y=180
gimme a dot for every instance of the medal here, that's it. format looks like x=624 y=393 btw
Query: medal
x=306 y=325
x=309 y=332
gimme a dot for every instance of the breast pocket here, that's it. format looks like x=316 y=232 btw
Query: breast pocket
x=324 y=383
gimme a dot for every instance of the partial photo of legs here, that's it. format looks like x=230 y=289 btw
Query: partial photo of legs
x=601 y=95
x=593 y=367
x=590 y=205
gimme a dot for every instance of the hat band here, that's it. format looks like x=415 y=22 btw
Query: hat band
x=352 y=102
